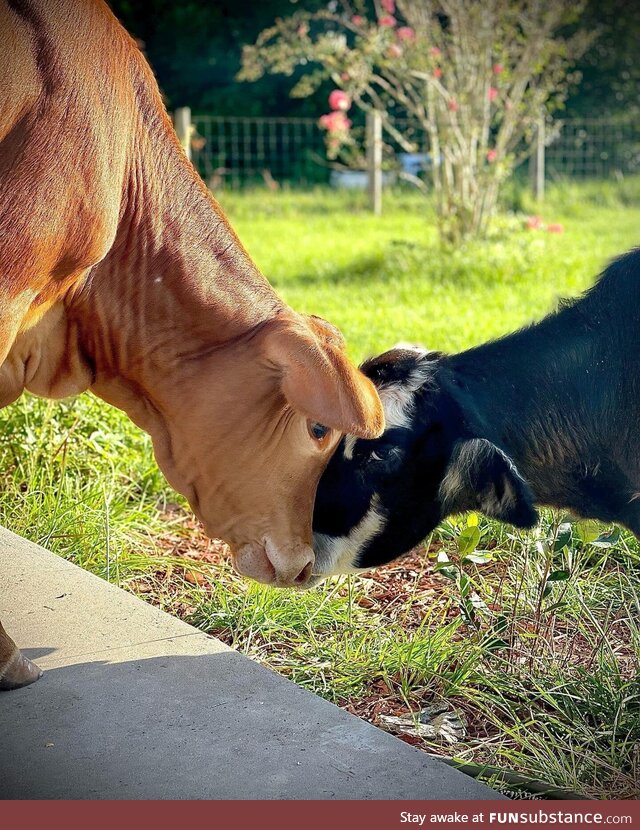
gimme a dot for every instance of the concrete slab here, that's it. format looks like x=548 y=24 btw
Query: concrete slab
x=138 y=705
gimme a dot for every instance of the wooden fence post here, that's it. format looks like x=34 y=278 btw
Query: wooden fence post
x=374 y=160
x=536 y=162
x=182 y=123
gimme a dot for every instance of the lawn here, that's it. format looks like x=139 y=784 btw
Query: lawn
x=530 y=642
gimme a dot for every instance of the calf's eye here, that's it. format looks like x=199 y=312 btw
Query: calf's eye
x=382 y=453
x=318 y=431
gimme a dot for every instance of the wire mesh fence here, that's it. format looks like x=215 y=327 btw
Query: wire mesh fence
x=594 y=148
x=238 y=152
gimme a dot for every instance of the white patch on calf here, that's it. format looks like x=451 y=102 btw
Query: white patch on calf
x=349 y=446
x=412 y=347
x=337 y=554
x=398 y=400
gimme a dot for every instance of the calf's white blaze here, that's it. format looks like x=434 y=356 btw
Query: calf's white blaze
x=337 y=554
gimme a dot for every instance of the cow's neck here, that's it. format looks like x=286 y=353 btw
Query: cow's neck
x=176 y=284
x=177 y=280
x=551 y=397
x=176 y=287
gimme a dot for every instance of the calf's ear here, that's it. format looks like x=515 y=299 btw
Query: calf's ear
x=481 y=477
x=318 y=380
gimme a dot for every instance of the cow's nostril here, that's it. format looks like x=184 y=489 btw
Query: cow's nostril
x=304 y=575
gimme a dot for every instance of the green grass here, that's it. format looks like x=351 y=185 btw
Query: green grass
x=544 y=671
x=386 y=279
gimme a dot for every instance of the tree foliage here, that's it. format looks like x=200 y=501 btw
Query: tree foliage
x=194 y=47
x=610 y=71
x=476 y=77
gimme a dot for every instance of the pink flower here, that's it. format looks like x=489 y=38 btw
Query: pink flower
x=497 y=68
x=452 y=105
x=394 y=50
x=339 y=100
x=303 y=29
x=406 y=33
x=492 y=155
x=555 y=227
x=533 y=223
x=387 y=20
x=334 y=122
x=437 y=72
x=435 y=52
x=357 y=20
x=492 y=93
x=345 y=76
x=388 y=5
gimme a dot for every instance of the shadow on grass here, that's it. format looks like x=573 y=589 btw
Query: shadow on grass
x=363 y=271
x=458 y=268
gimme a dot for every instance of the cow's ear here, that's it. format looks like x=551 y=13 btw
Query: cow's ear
x=317 y=378
x=481 y=477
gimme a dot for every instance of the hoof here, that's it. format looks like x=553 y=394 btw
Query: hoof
x=18 y=672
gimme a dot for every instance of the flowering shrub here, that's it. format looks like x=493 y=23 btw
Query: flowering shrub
x=336 y=122
x=476 y=78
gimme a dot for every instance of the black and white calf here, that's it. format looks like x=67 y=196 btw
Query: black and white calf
x=548 y=415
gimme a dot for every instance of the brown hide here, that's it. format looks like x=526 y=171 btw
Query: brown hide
x=119 y=273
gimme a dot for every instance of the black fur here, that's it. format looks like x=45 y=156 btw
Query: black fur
x=547 y=415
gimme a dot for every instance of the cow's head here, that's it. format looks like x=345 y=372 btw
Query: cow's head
x=247 y=430
x=379 y=498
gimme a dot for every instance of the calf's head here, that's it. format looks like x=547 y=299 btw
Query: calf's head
x=245 y=432
x=380 y=497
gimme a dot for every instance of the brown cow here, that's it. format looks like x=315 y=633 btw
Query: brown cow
x=120 y=274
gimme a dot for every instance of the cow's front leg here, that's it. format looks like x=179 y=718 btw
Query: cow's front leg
x=16 y=670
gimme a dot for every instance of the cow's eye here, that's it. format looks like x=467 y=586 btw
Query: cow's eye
x=318 y=431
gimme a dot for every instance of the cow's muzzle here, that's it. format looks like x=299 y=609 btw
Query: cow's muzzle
x=267 y=562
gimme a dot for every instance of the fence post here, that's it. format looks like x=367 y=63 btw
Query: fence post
x=536 y=162
x=374 y=160
x=182 y=123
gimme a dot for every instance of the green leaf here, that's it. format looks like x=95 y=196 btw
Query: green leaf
x=563 y=537
x=607 y=540
x=480 y=557
x=559 y=576
x=449 y=573
x=468 y=613
x=588 y=530
x=464 y=584
x=444 y=567
x=556 y=606
x=468 y=540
